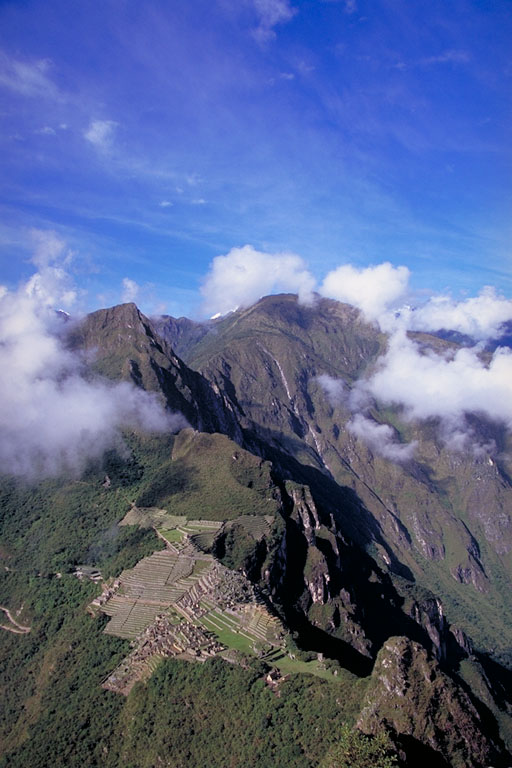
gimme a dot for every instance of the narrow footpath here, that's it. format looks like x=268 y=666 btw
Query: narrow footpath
x=16 y=627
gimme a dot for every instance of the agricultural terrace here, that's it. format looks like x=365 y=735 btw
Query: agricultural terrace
x=182 y=602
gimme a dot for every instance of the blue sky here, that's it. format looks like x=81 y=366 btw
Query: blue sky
x=152 y=137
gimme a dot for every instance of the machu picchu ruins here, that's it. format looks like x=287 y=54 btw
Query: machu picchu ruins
x=180 y=601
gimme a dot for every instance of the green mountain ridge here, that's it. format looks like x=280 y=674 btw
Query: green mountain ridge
x=360 y=558
x=443 y=516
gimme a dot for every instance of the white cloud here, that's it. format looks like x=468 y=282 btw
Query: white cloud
x=451 y=56
x=244 y=275
x=165 y=204
x=350 y=6
x=380 y=438
x=335 y=389
x=428 y=385
x=100 y=133
x=271 y=13
x=48 y=248
x=378 y=291
x=458 y=436
x=130 y=290
x=479 y=317
x=51 y=285
x=28 y=78
x=424 y=384
x=371 y=289
x=53 y=420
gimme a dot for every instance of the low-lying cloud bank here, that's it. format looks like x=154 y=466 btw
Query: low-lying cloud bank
x=52 y=419
x=424 y=384
x=429 y=385
x=479 y=317
x=380 y=438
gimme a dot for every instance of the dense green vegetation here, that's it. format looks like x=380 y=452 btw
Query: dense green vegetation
x=308 y=550
x=357 y=750
x=50 y=677
x=218 y=480
x=55 y=525
x=54 y=709
x=217 y=714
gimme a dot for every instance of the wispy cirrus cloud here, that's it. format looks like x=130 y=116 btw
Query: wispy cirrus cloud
x=350 y=6
x=130 y=290
x=451 y=56
x=46 y=130
x=28 y=77
x=271 y=13
x=100 y=133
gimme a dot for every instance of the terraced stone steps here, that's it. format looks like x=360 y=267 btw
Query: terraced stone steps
x=130 y=623
x=154 y=661
x=117 y=606
x=263 y=625
x=212 y=525
x=256 y=525
x=189 y=604
x=220 y=622
x=274 y=655
x=228 y=622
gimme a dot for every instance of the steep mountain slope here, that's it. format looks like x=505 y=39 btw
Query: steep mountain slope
x=347 y=551
x=434 y=531
x=442 y=516
x=428 y=522
x=121 y=343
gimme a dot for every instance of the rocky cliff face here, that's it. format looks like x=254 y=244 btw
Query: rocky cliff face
x=330 y=588
x=414 y=699
x=122 y=343
x=365 y=549
x=442 y=518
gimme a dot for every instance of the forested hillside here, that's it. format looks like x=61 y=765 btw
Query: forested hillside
x=332 y=575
